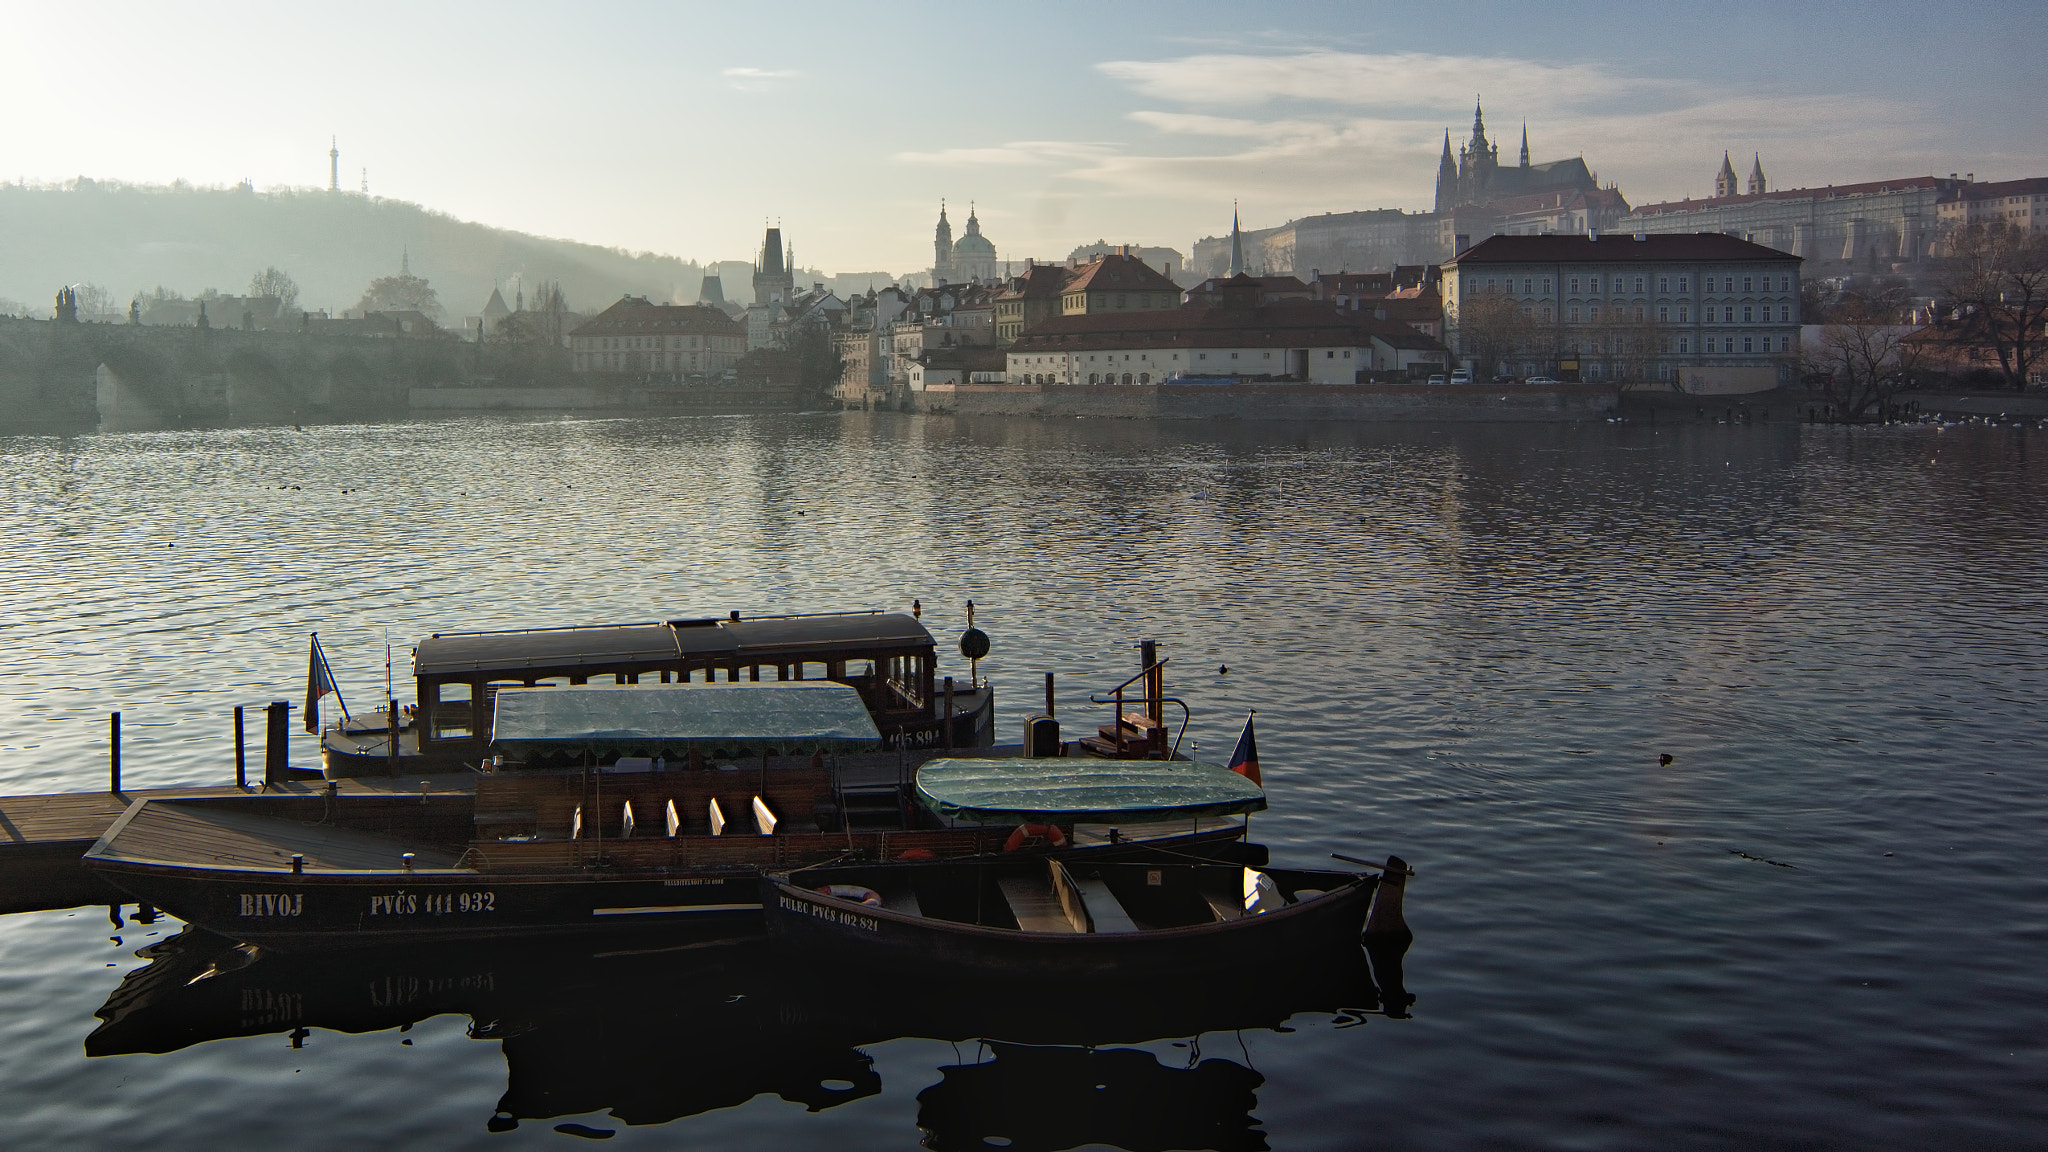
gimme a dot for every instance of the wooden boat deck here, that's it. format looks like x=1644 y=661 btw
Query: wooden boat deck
x=166 y=832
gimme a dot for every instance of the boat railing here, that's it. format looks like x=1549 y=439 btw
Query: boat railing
x=733 y=618
x=1154 y=700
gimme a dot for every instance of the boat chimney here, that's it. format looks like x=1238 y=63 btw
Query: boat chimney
x=298 y=864
x=407 y=859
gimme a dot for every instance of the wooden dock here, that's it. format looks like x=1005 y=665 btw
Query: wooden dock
x=42 y=837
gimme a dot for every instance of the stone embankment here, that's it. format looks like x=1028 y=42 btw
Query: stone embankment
x=1257 y=401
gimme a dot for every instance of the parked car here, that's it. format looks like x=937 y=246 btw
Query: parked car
x=1542 y=381
x=1436 y=379
x=1461 y=376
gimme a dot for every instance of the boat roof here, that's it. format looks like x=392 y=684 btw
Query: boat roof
x=1018 y=790
x=667 y=641
x=787 y=719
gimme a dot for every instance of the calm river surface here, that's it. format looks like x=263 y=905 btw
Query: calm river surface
x=1467 y=645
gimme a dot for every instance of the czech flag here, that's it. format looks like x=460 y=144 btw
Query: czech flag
x=1245 y=761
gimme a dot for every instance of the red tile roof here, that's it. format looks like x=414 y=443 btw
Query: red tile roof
x=1615 y=248
x=1114 y=273
x=1285 y=324
x=634 y=316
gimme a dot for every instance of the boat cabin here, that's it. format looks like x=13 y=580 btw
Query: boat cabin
x=889 y=658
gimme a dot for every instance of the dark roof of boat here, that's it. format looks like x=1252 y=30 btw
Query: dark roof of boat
x=603 y=646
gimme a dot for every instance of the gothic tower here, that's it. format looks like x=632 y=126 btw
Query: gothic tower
x=772 y=276
x=1446 y=178
x=1757 y=184
x=1476 y=161
x=1236 y=245
x=1525 y=143
x=1724 y=180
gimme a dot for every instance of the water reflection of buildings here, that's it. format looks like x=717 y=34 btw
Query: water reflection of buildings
x=654 y=1037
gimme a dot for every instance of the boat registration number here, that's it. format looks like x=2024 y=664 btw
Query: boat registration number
x=432 y=903
x=833 y=915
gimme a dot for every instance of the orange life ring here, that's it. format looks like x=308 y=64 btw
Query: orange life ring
x=853 y=892
x=918 y=854
x=1050 y=833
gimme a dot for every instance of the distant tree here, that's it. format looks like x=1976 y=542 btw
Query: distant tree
x=275 y=282
x=400 y=293
x=1997 y=275
x=94 y=301
x=819 y=364
x=1865 y=358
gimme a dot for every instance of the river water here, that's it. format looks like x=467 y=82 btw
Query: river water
x=1822 y=924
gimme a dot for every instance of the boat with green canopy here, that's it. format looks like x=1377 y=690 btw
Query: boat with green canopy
x=1053 y=916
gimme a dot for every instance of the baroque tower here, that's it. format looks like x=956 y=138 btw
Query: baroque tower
x=942 y=244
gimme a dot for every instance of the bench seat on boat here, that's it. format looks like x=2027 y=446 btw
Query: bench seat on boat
x=1034 y=904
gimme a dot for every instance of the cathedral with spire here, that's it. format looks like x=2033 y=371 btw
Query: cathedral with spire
x=971 y=259
x=1474 y=176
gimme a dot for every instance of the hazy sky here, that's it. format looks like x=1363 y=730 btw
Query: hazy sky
x=678 y=127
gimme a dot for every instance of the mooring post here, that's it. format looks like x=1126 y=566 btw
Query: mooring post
x=114 y=752
x=1048 y=695
x=277 y=731
x=949 y=713
x=241 y=753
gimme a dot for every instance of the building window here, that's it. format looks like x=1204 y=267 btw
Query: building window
x=1684 y=283
x=1746 y=312
x=1684 y=344
x=1663 y=315
x=1546 y=284
x=1663 y=283
x=1574 y=284
x=1746 y=342
x=1575 y=313
x=1144 y=377
x=1639 y=312
x=1784 y=313
x=1546 y=313
x=1639 y=283
x=1593 y=312
x=1745 y=284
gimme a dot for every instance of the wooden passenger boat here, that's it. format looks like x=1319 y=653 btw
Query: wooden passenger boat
x=1053 y=918
x=890 y=658
x=1063 y=919
x=633 y=808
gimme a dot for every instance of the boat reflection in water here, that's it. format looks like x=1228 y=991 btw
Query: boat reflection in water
x=624 y=1032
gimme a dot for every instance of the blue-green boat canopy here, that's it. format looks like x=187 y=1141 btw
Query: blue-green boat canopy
x=789 y=719
x=1022 y=791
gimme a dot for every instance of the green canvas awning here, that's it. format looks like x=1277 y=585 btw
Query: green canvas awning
x=792 y=719
x=1020 y=791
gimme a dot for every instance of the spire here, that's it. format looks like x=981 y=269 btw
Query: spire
x=334 y=164
x=1236 y=243
x=405 y=262
x=1525 y=143
x=1478 y=120
x=1446 y=178
x=1724 y=180
x=1757 y=185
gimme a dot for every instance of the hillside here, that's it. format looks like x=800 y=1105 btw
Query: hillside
x=129 y=239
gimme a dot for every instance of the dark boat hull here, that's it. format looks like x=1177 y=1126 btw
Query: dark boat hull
x=281 y=909
x=842 y=931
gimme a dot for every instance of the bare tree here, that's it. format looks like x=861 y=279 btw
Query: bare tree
x=1865 y=358
x=1998 y=276
x=276 y=282
x=1491 y=327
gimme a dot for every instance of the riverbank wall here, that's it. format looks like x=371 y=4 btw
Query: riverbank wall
x=1256 y=401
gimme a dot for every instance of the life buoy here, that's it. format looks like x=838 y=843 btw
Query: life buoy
x=918 y=854
x=853 y=892
x=1049 y=833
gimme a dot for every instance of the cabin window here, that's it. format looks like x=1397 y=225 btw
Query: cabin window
x=454 y=714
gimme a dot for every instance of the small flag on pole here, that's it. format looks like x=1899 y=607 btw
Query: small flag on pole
x=319 y=682
x=1245 y=761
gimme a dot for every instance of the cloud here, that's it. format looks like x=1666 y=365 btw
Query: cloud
x=757 y=79
x=1401 y=80
x=1016 y=154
